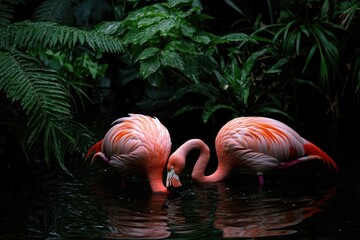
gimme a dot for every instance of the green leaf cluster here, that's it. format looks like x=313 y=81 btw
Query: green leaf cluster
x=167 y=41
x=162 y=37
x=294 y=37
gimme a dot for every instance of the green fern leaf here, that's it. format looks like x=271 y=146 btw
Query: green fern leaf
x=42 y=95
x=49 y=35
x=38 y=90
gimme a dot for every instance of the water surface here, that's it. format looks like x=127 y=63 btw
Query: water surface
x=93 y=205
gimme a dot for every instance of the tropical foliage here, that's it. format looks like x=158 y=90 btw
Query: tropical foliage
x=172 y=58
x=43 y=93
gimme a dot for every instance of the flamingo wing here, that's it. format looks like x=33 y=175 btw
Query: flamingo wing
x=266 y=138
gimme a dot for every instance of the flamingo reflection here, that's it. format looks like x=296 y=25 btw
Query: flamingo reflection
x=148 y=220
x=263 y=215
x=136 y=214
x=207 y=210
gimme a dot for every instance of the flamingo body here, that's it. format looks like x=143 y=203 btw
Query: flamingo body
x=136 y=144
x=263 y=144
x=258 y=143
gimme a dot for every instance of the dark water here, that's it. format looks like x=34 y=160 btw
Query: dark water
x=292 y=205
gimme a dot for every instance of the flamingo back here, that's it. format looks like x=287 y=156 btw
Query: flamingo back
x=137 y=142
x=261 y=137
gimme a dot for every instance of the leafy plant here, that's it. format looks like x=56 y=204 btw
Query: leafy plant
x=76 y=70
x=42 y=92
x=236 y=89
x=166 y=42
x=310 y=49
x=313 y=38
x=162 y=37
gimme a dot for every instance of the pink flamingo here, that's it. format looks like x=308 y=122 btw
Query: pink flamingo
x=258 y=143
x=137 y=144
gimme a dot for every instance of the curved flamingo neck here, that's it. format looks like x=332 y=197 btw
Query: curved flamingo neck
x=198 y=173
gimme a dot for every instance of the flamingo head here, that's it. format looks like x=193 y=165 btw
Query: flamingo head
x=175 y=166
x=172 y=179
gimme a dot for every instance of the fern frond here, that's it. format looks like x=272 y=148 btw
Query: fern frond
x=57 y=11
x=38 y=90
x=43 y=35
x=45 y=100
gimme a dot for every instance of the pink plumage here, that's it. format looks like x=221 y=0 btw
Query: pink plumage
x=263 y=144
x=136 y=144
x=258 y=143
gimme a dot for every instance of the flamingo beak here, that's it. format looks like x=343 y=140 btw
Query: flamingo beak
x=172 y=179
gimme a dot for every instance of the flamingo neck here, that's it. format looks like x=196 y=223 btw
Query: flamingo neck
x=154 y=175
x=157 y=185
x=198 y=173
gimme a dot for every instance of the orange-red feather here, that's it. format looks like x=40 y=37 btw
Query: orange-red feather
x=312 y=149
x=95 y=148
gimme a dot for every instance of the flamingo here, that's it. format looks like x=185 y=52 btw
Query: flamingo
x=258 y=143
x=137 y=144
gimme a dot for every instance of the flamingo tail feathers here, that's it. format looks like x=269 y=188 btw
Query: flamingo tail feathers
x=95 y=148
x=313 y=150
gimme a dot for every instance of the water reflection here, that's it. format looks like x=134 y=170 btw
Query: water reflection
x=132 y=218
x=134 y=213
x=94 y=207
x=240 y=215
x=208 y=211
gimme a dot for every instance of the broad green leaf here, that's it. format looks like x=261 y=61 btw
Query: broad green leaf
x=149 y=66
x=149 y=21
x=182 y=46
x=140 y=36
x=187 y=30
x=108 y=27
x=148 y=52
x=166 y=25
x=172 y=59
x=234 y=37
x=147 y=34
x=202 y=38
